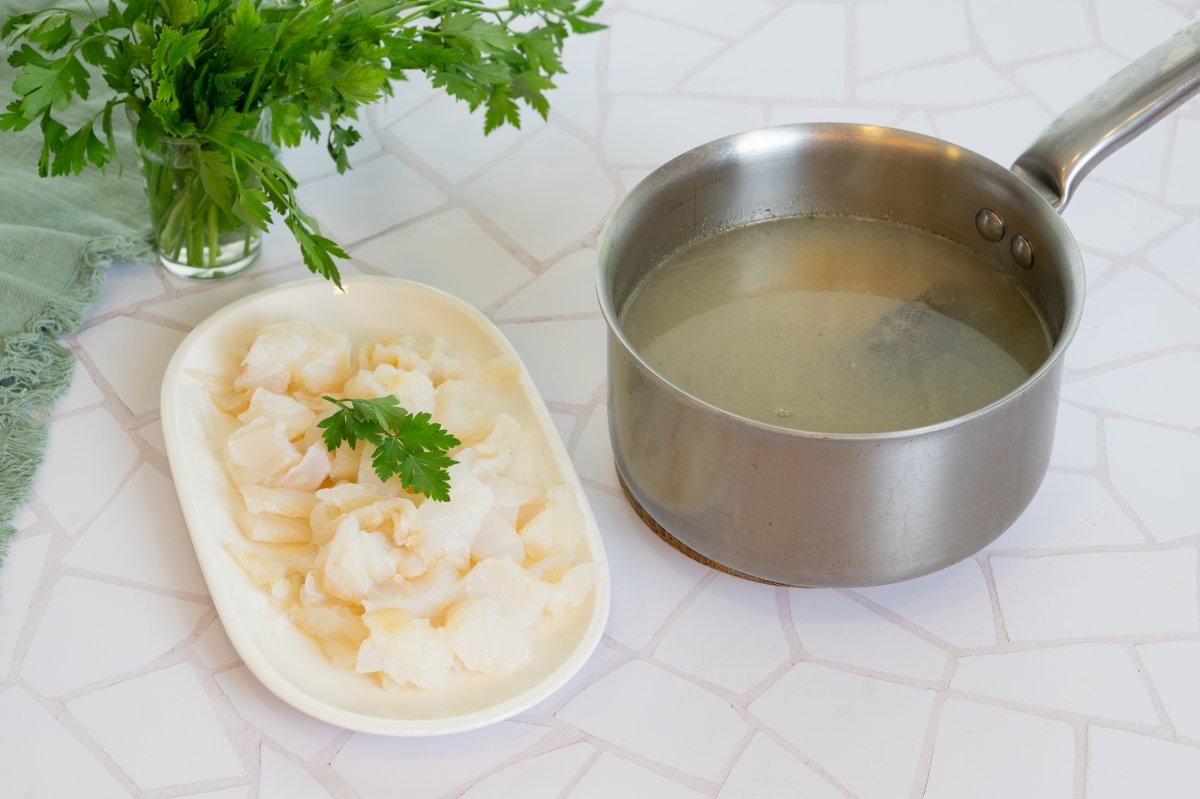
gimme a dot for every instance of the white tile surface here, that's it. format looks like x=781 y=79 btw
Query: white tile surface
x=1134 y=314
x=649 y=55
x=40 y=758
x=282 y=723
x=1177 y=252
x=1096 y=680
x=87 y=457
x=1182 y=186
x=240 y=792
x=1151 y=467
x=649 y=578
x=942 y=34
x=1007 y=36
x=990 y=753
x=612 y=776
x=213 y=647
x=450 y=252
x=1059 y=81
x=593 y=451
x=675 y=722
x=280 y=778
x=540 y=777
x=19 y=577
x=1096 y=594
x=160 y=729
x=367 y=201
x=715 y=16
x=953 y=604
x=787 y=58
x=92 y=630
x=1175 y=399
x=1122 y=764
x=865 y=732
x=567 y=287
x=1132 y=31
x=1139 y=164
x=406 y=95
x=311 y=159
x=82 y=392
x=445 y=135
x=646 y=131
x=1070 y=510
x=1172 y=666
x=729 y=635
x=576 y=96
x=547 y=194
x=565 y=358
x=1074 y=438
x=373 y=766
x=510 y=222
x=1093 y=208
x=132 y=356
x=141 y=536
x=768 y=771
x=968 y=80
x=832 y=626
x=999 y=131
x=126 y=284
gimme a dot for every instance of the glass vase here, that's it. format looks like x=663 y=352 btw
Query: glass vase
x=193 y=236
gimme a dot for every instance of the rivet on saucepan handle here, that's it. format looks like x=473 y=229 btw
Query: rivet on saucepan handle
x=989 y=224
x=1022 y=251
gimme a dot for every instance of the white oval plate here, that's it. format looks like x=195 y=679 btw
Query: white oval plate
x=287 y=662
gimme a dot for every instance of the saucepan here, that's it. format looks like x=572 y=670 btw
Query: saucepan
x=827 y=509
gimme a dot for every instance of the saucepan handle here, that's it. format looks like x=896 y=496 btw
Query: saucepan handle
x=1121 y=108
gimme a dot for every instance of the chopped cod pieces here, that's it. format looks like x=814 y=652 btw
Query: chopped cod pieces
x=387 y=582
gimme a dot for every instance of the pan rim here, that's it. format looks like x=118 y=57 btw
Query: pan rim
x=780 y=136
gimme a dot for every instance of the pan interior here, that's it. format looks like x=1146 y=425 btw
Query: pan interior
x=835 y=324
x=830 y=180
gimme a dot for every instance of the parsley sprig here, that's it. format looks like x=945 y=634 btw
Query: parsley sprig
x=207 y=70
x=406 y=445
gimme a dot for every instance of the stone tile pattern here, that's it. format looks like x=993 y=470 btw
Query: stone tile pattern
x=1059 y=661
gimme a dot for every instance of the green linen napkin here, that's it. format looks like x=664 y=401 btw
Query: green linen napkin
x=56 y=237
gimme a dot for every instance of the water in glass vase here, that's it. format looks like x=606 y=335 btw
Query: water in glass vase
x=835 y=324
x=194 y=236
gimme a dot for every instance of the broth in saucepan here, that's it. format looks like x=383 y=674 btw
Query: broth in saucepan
x=835 y=324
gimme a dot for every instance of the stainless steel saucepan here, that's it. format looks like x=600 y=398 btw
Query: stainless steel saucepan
x=815 y=509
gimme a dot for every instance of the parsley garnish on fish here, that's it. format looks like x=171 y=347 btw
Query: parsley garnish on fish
x=407 y=445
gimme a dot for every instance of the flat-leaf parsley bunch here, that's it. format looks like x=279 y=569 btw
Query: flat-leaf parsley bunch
x=206 y=71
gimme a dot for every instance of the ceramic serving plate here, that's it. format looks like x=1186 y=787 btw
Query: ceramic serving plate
x=286 y=661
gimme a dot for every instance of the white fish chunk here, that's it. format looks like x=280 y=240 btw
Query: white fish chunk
x=272 y=529
x=574 y=587
x=425 y=596
x=510 y=496
x=493 y=454
x=449 y=528
x=553 y=536
x=309 y=473
x=459 y=409
x=291 y=502
x=405 y=649
x=259 y=451
x=521 y=596
x=266 y=404
x=354 y=562
x=324 y=364
x=496 y=537
x=485 y=639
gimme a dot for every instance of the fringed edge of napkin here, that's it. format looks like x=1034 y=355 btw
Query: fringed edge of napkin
x=36 y=369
